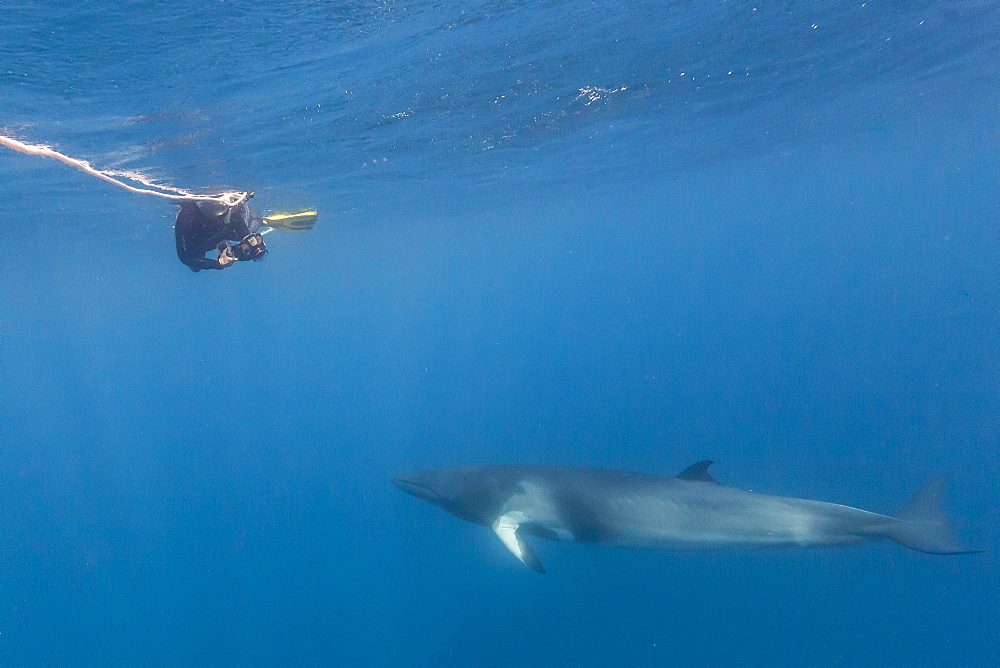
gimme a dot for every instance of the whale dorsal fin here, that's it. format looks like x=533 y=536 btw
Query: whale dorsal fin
x=507 y=528
x=698 y=472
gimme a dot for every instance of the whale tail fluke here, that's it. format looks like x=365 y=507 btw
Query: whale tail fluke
x=925 y=526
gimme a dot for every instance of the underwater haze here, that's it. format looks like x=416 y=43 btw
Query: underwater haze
x=624 y=235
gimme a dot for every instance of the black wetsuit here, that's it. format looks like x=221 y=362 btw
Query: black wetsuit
x=197 y=233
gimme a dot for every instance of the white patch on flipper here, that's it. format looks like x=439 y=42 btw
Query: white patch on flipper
x=530 y=504
x=505 y=527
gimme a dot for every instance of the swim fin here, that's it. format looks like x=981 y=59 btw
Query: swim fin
x=292 y=222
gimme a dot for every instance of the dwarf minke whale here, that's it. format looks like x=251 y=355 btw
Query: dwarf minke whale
x=691 y=510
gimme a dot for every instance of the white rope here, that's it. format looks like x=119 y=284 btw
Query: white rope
x=230 y=198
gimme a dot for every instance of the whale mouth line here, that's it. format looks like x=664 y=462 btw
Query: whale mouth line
x=416 y=489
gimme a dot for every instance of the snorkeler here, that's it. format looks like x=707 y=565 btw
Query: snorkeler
x=223 y=222
x=204 y=226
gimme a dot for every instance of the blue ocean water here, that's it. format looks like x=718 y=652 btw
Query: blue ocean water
x=604 y=234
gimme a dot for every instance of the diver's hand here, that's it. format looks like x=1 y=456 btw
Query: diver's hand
x=226 y=256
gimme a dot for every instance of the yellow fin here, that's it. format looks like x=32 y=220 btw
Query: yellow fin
x=292 y=222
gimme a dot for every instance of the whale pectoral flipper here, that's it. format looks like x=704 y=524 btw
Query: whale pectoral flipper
x=507 y=528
